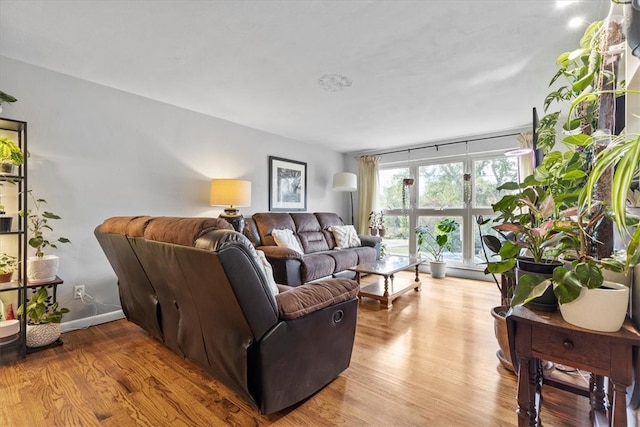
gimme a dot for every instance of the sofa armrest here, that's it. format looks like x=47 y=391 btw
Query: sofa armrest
x=310 y=297
x=279 y=252
x=371 y=241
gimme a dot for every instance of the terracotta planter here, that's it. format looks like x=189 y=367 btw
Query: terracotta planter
x=6 y=277
x=602 y=309
x=382 y=232
x=500 y=330
x=373 y=231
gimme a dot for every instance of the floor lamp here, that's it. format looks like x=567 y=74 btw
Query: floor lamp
x=345 y=181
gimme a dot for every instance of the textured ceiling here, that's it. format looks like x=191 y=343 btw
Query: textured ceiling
x=420 y=70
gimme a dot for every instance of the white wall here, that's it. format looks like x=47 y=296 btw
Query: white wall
x=97 y=152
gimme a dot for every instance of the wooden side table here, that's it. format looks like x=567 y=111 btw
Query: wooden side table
x=536 y=336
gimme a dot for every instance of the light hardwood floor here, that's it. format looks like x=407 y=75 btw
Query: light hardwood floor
x=428 y=361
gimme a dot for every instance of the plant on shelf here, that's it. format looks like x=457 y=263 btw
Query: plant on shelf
x=41 y=267
x=44 y=319
x=38 y=312
x=10 y=154
x=526 y=218
x=8 y=264
x=38 y=224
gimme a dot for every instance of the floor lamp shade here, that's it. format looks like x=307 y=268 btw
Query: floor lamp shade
x=345 y=181
x=232 y=193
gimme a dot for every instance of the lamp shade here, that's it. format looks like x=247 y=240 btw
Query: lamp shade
x=345 y=181
x=517 y=152
x=230 y=192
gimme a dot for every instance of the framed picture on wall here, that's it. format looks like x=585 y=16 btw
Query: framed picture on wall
x=287 y=185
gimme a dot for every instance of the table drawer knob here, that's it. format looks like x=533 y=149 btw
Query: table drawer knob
x=568 y=344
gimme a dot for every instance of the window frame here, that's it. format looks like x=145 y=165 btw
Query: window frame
x=468 y=212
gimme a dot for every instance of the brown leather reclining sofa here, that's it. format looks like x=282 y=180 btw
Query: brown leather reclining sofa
x=198 y=286
x=320 y=259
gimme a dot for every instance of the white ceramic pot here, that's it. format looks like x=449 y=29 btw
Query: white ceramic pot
x=602 y=309
x=43 y=334
x=438 y=269
x=41 y=270
x=9 y=327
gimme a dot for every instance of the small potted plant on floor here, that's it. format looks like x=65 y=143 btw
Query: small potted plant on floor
x=41 y=268
x=43 y=326
x=435 y=241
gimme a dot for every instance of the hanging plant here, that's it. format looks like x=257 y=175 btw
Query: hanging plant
x=406 y=183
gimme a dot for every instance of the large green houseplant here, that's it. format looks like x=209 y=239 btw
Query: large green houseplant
x=575 y=226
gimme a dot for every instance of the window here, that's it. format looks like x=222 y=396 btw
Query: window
x=441 y=186
x=439 y=193
x=390 y=196
x=489 y=174
x=396 y=239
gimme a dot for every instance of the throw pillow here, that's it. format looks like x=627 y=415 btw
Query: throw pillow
x=268 y=272
x=346 y=236
x=286 y=239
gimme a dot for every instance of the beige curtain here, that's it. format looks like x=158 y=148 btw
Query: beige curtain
x=525 y=140
x=367 y=190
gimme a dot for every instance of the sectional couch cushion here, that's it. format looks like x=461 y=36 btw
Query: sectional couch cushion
x=321 y=255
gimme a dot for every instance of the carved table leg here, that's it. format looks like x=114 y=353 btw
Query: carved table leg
x=528 y=386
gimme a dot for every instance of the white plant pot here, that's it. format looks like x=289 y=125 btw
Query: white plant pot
x=600 y=309
x=438 y=269
x=41 y=270
x=9 y=327
x=42 y=334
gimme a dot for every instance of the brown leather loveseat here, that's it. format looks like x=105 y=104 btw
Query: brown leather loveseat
x=200 y=288
x=312 y=231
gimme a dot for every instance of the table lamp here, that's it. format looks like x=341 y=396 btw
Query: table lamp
x=233 y=193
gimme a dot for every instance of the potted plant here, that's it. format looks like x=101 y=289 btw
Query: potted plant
x=41 y=268
x=526 y=217
x=435 y=241
x=10 y=155
x=8 y=264
x=374 y=222
x=43 y=320
x=381 y=229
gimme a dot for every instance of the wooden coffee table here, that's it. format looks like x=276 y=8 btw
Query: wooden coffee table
x=386 y=267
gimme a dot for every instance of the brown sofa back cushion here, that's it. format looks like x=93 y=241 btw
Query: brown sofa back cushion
x=309 y=233
x=269 y=221
x=311 y=229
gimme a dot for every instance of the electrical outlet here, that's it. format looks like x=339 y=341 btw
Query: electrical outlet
x=78 y=292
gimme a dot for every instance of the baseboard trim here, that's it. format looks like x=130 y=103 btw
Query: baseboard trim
x=86 y=322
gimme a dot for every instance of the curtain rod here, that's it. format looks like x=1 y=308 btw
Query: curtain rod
x=443 y=144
